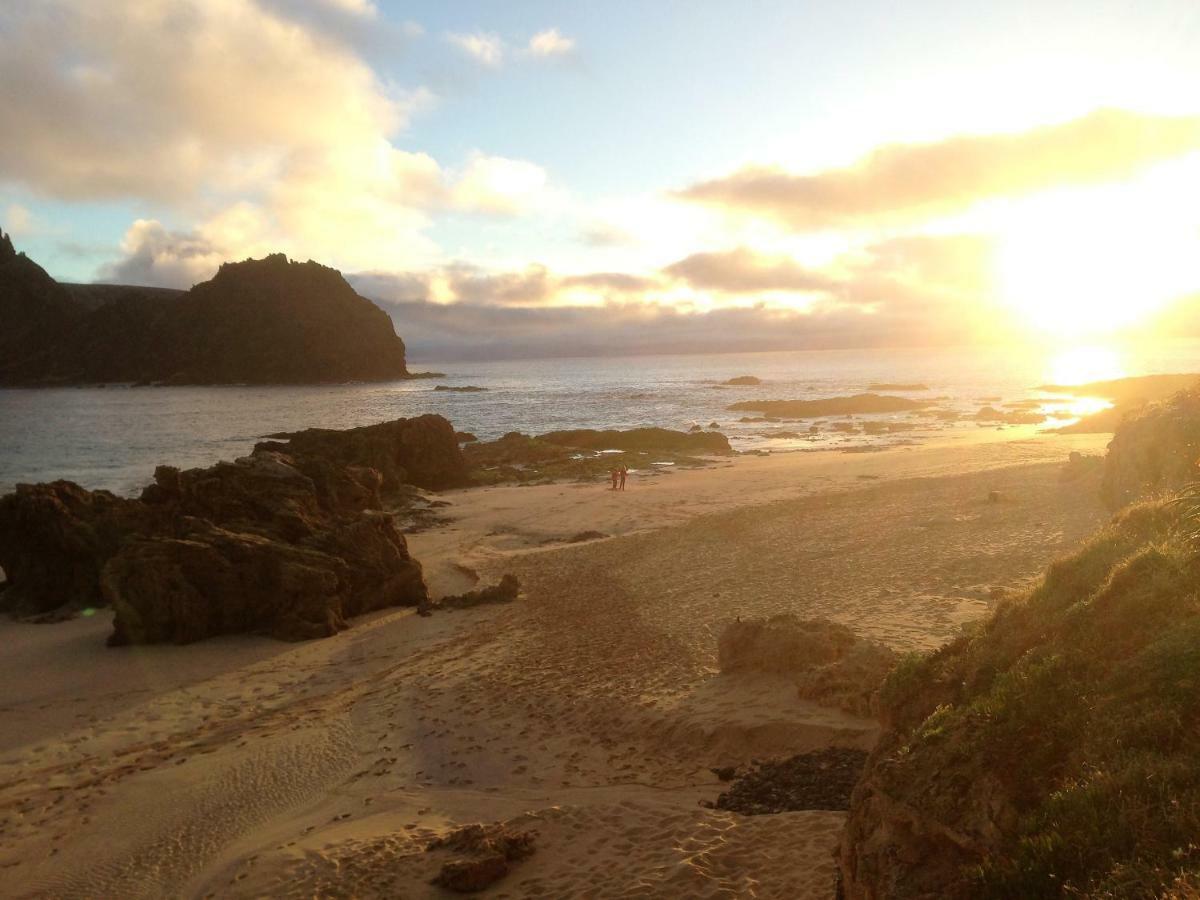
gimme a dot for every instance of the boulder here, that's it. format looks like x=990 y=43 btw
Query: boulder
x=55 y=539
x=744 y=380
x=211 y=581
x=487 y=853
x=470 y=876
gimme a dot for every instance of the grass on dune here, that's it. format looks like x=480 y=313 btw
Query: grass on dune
x=1080 y=702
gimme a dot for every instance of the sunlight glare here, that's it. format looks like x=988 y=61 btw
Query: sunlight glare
x=1080 y=365
x=1086 y=263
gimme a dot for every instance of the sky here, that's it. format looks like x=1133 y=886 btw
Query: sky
x=535 y=178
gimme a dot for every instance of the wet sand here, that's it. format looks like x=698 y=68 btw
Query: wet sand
x=590 y=710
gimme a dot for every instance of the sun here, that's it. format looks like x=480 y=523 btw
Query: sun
x=1086 y=264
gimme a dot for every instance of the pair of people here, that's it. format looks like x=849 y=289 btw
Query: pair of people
x=618 y=478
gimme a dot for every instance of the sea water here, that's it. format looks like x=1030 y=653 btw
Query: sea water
x=112 y=437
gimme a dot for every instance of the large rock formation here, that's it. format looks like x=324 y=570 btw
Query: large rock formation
x=35 y=311
x=1155 y=449
x=1052 y=752
x=267 y=321
x=290 y=544
x=423 y=451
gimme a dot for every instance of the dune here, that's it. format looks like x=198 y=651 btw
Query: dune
x=590 y=711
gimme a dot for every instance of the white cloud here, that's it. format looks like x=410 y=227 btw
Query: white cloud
x=493 y=184
x=550 y=42
x=262 y=129
x=486 y=49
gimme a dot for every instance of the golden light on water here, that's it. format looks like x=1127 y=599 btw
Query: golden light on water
x=1080 y=365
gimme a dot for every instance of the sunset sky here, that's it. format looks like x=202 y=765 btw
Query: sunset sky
x=552 y=178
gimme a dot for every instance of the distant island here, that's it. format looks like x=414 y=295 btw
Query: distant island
x=264 y=321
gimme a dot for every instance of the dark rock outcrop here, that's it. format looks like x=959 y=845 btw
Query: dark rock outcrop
x=744 y=381
x=210 y=581
x=486 y=854
x=286 y=543
x=422 y=451
x=1009 y=416
x=54 y=541
x=267 y=321
x=506 y=590
x=1155 y=449
x=822 y=779
x=858 y=404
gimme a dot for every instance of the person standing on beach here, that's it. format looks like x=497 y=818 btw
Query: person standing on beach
x=624 y=470
x=615 y=474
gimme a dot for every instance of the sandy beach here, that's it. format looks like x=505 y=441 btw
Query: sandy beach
x=590 y=710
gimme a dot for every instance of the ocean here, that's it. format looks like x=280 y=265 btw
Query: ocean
x=112 y=437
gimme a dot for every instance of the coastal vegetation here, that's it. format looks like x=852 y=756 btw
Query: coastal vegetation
x=1050 y=751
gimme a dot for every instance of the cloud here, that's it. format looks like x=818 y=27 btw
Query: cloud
x=164 y=100
x=915 y=181
x=254 y=120
x=610 y=282
x=486 y=49
x=916 y=290
x=160 y=258
x=550 y=43
x=364 y=8
x=494 y=184
x=742 y=271
x=435 y=331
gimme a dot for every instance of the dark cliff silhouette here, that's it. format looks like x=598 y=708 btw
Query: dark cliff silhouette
x=265 y=321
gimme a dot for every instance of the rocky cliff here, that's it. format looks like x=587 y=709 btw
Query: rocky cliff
x=267 y=321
